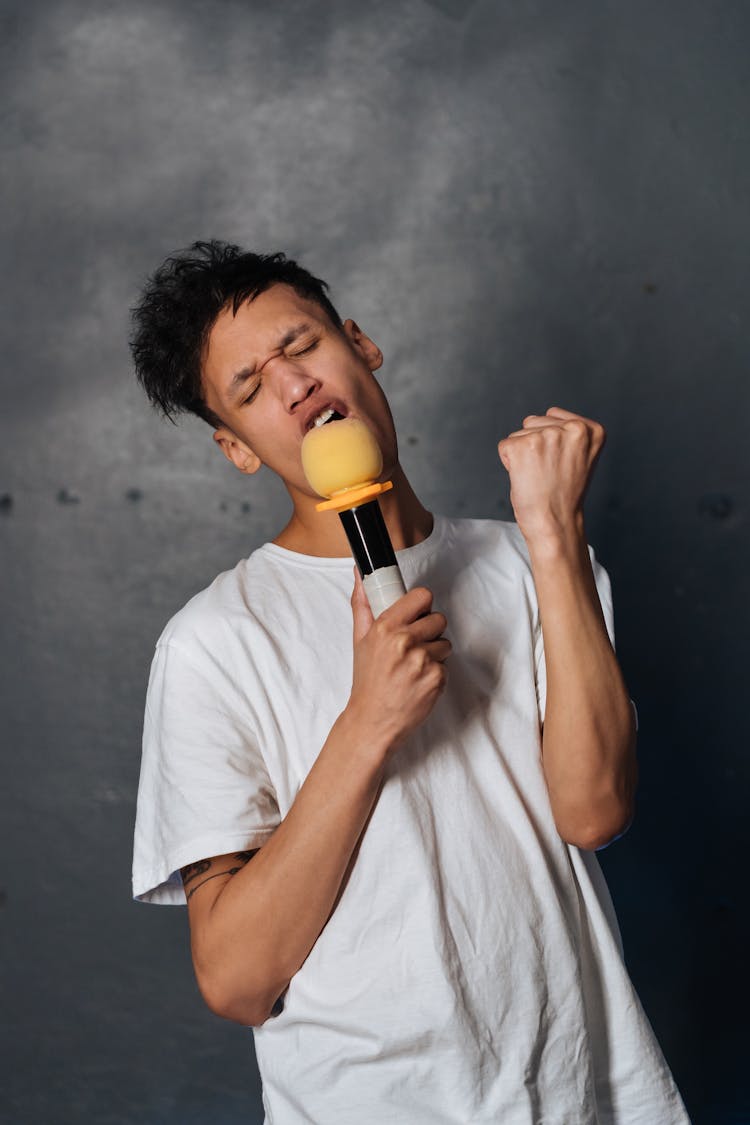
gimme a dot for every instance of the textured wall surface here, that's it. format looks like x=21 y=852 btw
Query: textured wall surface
x=525 y=204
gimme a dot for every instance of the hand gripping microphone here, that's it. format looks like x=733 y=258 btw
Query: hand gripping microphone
x=342 y=461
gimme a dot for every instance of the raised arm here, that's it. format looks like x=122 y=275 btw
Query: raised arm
x=254 y=917
x=589 y=732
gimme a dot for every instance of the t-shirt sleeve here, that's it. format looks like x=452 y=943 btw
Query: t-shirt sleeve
x=204 y=788
x=604 y=590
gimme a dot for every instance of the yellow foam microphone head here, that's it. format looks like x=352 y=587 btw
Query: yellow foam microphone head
x=342 y=461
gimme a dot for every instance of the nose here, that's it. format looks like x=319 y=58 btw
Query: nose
x=293 y=384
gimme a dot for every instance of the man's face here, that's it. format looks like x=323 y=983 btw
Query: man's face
x=269 y=372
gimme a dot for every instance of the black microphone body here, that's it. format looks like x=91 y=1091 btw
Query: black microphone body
x=374 y=555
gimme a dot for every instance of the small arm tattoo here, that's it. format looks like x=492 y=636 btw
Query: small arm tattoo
x=245 y=857
x=193 y=870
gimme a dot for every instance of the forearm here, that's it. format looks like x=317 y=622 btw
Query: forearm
x=252 y=933
x=589 y=735
x=266 y=919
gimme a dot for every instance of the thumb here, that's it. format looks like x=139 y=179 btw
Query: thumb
x=361 y=612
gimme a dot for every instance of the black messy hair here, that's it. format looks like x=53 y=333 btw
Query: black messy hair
x=179 y=307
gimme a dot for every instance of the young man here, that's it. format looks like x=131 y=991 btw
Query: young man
x=384 y=830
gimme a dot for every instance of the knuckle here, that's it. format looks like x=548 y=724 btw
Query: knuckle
x=380 y=629
x=577 y=427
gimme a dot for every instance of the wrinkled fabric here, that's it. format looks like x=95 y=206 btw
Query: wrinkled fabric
x=472 y=969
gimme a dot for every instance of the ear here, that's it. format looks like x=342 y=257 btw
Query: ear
x=369 y=350
x=241 y=455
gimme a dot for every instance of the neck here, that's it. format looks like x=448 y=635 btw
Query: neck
x=310 y=532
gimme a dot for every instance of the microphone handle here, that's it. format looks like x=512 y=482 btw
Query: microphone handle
x=374 y=555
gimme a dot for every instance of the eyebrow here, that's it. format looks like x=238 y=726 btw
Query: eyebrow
x=241 y=377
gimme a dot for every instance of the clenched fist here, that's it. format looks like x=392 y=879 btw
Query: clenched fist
x=550 y=462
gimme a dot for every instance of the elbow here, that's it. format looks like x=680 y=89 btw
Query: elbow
x=591 y=833
x=603 y=817
x=247 y=1013
x=592 y=836
x=595 y=839
x=230 y=1001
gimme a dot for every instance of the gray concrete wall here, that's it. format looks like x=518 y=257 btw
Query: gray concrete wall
x=525 y=204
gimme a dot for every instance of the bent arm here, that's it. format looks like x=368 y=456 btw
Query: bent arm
x=253 y=920
x=588 y=741
x=252 y=924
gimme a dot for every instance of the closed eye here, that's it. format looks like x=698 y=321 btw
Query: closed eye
x=291 y=355
x=303 y=351
x=252 y=394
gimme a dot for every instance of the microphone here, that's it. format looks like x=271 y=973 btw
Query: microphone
x=342 y=461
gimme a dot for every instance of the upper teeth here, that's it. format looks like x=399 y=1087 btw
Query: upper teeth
x=324 y=416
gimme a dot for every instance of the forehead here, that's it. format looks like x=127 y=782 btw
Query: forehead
x=258 y=326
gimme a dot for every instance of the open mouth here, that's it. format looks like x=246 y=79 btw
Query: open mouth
x=329 y=414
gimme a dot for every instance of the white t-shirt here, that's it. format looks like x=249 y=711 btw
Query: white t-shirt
x=472 y=970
